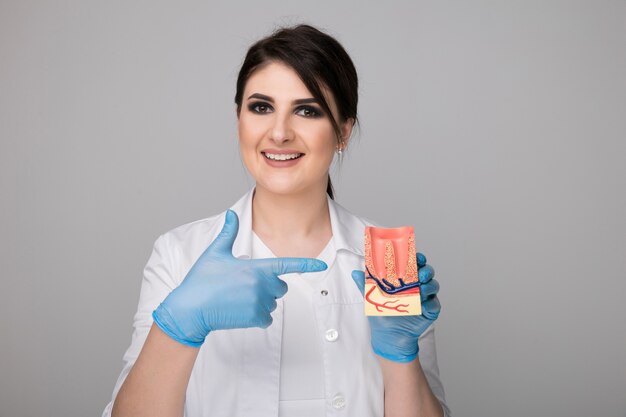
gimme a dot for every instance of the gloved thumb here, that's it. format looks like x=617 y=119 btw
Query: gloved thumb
x=359 y=279
x=223 y=243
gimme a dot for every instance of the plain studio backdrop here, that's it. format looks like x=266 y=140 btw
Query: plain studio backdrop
x=497 y=129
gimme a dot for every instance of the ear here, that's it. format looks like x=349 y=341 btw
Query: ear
x=346 y=131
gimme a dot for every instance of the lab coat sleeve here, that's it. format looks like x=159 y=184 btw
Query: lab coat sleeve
x=158 y=281
x=428 y=361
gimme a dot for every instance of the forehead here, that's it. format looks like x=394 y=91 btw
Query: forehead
x=277 y=80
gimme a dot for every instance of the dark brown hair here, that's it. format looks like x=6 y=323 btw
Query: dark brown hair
x=318 y=59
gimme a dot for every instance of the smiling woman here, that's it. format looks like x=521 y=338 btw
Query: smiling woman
x=324 y=69
x=258 y=311
x=278 y=130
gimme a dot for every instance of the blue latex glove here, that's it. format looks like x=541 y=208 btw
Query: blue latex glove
x=395 y=337
x=223 y=292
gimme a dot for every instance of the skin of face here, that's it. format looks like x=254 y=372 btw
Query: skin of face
x=270 y=119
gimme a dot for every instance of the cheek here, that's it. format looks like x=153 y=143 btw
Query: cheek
x=324 y=141
x=244 y=130
x=247 y=144
x=318 y=134
x=249 y=134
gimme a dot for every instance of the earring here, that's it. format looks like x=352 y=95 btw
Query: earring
x=339 y=149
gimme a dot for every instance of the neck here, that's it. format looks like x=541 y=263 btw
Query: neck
x=290 y=216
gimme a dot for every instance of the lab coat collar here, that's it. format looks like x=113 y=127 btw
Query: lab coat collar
x=348 y=230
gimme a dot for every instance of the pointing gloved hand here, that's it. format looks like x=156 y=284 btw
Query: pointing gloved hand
x=223 y=292
x=395 y=337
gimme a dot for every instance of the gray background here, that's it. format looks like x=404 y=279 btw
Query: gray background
x=503 y=124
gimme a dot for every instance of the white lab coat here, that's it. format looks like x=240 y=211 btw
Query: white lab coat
x=237 y=371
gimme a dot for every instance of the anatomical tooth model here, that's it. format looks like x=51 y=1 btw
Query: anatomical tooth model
x=391 y=280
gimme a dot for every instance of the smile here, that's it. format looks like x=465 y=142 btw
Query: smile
x=281 y=157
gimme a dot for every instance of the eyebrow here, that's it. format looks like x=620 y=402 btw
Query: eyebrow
x=271 y=100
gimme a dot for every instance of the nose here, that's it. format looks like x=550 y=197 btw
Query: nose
x=281 y=129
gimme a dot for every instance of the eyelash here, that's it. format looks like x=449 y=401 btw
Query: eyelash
x=315 y=112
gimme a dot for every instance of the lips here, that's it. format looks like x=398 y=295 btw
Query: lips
x=282 y=158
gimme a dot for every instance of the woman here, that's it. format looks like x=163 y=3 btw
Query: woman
x=218 y=332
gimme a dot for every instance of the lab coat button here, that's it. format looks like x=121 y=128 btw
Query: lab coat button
x=339 y=401
x=332 y=335
x=324 y=292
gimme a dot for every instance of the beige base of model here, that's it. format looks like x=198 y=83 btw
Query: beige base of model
x=378 y=303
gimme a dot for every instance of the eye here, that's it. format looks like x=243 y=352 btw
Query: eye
x=309 y=111
x=259 y=107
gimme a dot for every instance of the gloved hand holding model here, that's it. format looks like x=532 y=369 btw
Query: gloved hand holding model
x=223 y=292
x=395 y=337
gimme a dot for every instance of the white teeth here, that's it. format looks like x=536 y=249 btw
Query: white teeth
x=281 y=157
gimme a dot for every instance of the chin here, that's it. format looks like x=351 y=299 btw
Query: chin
x=282 y=188
x=286 y=185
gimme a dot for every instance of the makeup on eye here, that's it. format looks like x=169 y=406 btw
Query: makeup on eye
x=265 y=102
x=261 y=107
x=314 y=112
x=256 y=106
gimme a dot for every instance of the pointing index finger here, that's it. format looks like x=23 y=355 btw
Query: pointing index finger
x=280 y=266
